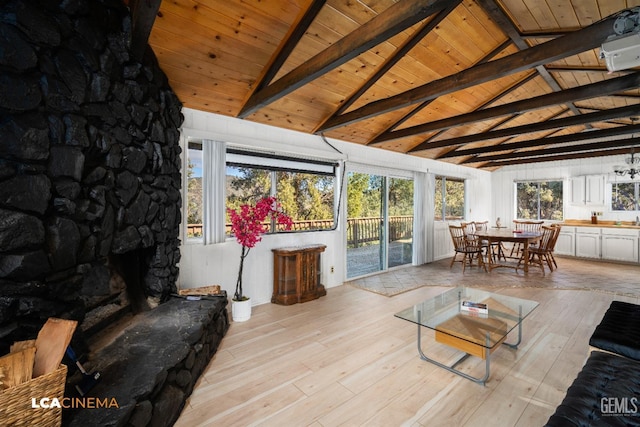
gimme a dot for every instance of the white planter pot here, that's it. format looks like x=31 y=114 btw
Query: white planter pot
x=241 y=310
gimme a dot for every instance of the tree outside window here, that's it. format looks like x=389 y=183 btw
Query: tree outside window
x=624 y=196
x=195 y=208
x=539 y=200
x=449 y=199
x=307 y=198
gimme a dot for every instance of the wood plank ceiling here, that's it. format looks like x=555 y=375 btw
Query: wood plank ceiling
x=484 y=83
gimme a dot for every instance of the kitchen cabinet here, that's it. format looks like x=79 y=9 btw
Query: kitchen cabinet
x=566 y=243
x=587 y=190
x=620 y=244
x=588 y=242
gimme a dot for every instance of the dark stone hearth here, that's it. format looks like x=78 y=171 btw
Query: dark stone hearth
x=158 y=372
x=90 y=159
x=19 y=230
x=90 y=206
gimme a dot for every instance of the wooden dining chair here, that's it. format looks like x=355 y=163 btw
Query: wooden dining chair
x=527 y=226
x=539 y=254
x=558 y=227
x=495 y=249
x=469 y=248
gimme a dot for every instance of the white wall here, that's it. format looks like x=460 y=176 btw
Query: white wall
x=202 y=265
x=503 y=189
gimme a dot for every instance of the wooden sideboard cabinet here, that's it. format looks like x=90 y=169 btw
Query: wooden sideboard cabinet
x=297 y=274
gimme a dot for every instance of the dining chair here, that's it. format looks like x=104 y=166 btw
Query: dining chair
x=469 y=248
x=558 y=227
x=539 y=254
x=495 y=248
x=525 y=226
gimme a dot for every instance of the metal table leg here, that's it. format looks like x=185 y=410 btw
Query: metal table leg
x=480 y=380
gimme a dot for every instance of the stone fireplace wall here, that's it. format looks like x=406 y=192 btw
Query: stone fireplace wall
x=89 y=161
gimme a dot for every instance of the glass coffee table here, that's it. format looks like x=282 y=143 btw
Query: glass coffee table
x=472 y=330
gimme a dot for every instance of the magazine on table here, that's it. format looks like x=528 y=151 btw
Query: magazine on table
x=474 y=307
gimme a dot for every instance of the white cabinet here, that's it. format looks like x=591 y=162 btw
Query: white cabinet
x=620 y=244
x=594 y=191
x=587 y=190
x=588 y=242
x=577 y=187
x=566 y=243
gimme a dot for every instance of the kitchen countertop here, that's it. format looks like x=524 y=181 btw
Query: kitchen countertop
x=601 y=223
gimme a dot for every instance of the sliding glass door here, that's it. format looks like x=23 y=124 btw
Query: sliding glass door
x=365 y=224
x=400 y=214
x=379 y=223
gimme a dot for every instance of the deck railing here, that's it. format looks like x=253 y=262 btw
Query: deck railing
x=360 y=231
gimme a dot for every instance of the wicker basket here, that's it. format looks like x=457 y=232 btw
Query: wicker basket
x=16 y=402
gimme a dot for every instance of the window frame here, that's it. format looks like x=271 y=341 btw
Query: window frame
x=636 y=195
x=274 y=163
x=443 y=214
x=538 y=181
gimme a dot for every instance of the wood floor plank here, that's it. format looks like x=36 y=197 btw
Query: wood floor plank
x=345 y=360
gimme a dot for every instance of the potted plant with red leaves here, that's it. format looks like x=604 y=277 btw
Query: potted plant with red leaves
x=248 y=224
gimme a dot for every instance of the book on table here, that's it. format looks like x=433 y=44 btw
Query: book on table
x=474 y=307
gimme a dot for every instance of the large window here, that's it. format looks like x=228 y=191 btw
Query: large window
x=449 y=199
x=624 y=196
x=539 y=200
x=304 y=188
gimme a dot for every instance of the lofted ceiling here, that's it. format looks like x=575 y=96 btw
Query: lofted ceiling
x=483 y=83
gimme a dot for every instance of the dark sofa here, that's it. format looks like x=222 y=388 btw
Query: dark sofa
x=606 y=392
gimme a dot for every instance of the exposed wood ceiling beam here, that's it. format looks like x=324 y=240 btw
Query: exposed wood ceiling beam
x=570 y=44
x=143 y=15
x=599 y=116
x=414 y=111
x=507 y=91
x=290 y=43
x=497 y=14
x=573 y=94
x=392 y=21
x=560 y=139
x=558 y=150
x=570 y=156
x=547 y=34
x=409 y=44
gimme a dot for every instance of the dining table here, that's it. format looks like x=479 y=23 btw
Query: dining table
x=500 y=235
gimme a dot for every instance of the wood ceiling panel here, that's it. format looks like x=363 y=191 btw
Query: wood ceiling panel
x=362 y=134
x=587 y=11
x=198 y=57
x=360 y=11
x=468 y=35
x=214 y=52
x=613 y=6
x=520 y=15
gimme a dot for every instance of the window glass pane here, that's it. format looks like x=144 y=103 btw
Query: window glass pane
x=449 y=206
x=245 y=186
x=454 y=199
x=438 y=215
x=539 y=200
x=195 y=225
x=623 y=196
x=307 y=198
x=527 y=200
x=551 y=200
x=400 y=221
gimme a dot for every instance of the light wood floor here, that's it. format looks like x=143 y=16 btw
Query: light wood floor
x=345 y=360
